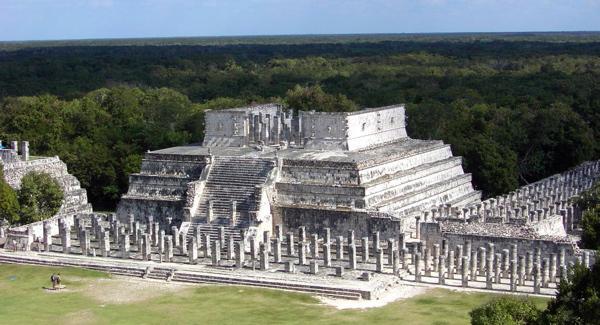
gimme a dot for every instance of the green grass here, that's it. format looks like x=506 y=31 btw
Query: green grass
x=22 y=300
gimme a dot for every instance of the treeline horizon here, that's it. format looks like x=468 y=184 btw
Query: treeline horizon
x=517 y=111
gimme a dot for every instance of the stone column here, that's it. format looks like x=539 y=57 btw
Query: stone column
x=239 y=255
x=365 y=249
x=156 y=234
x=84 y=243
x=561 y=259
x=390 y=252
x=426 y=261
x=498 y=269
x=264 y=257
x=459 y=256
x=314 y=245
x=529 y=266
x=314 y=267
x=290 y=244
x=267 y=240
x=105 y=244
x=161 y=242
x=253 y=249
x=352 y=256
x=327 y=237
x=405 y=258
x=401 y=241
x=536 y=278
x=376 y=243
x=521 y=270
x=505 y=263
x=183 y=243
x=483 y=260
x=340 y=248
x=302 y=253
x=206 y=246
x=489 y=277
x=47 y=238
x=465 y=272
x=473 y=261
x=327 y=254
x=396 y=265
x=451 y=260
x=169 y=248
x=417 y=227
x=417 y=267
x=278 y=232
x=65 y=238
x=125 y=246
x=545 y=272
x=277 y=250
x=513 y=276
x=435 y=257
x=441 y=269
x=379 y=261
x=230 y=248
x=302 y=234
x=216 y=253
x=553 y=268
x=146 y=248
x=351 y=237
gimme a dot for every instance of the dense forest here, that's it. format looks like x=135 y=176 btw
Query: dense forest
x=516 y=108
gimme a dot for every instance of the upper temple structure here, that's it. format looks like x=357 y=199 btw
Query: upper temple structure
x=260 y=165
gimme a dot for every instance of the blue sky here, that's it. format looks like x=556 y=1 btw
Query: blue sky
x=75 y=19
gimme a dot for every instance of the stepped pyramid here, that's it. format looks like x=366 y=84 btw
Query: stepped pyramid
x=16 y=165
x=259 y=166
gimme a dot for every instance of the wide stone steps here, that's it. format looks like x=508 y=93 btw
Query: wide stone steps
x=213 y=229
x=161 y=273
x=233 y=179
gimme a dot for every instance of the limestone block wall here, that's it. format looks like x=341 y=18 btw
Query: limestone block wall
x=75 y=198
x=353 y=131
x=160 y=188
x=340 y=222
x=418 y=155
x=373 y=127
x=322 y=130
x=319 y=172
x=226 y=128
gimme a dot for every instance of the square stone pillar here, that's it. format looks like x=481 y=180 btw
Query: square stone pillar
x=365 y=249
x=193 y=251
x=169 y=248
x=314 y=245
x=239 y=255
x=352 y=256
x=327 y=255
x=277 y=250
x=340 y=248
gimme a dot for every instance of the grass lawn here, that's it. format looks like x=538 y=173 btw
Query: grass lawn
x=24 y=301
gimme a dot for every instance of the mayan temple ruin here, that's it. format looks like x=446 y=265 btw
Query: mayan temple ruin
x=343 y=205
x=260 y=166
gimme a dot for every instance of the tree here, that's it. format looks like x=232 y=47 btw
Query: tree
x=40 y=197
x=505 y=311
x=315 y=98
x=578 y=298
x=589 y=202
x=9 y=205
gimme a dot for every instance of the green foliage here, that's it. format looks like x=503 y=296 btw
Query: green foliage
x=505 y=311
x=517 y=107
x=40 y=197
x=9 y=205
x=589 y=202
x=314 y=98
x=578 y=298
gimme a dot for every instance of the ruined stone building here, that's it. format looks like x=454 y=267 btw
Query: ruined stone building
x=260 y=165
x=17 y=162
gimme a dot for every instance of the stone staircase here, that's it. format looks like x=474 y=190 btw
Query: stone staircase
x=232 y=179
x=214 y=229
x=163 y=273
